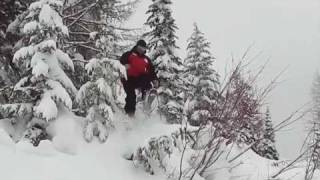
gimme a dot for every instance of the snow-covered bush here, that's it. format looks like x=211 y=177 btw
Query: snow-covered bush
x=237 y=115
x=154 y=152
x=97 y=98
x=163 y=153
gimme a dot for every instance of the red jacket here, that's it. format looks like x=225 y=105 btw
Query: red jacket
x=138 y=65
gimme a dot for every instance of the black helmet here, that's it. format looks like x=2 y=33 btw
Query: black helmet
x=142 y=43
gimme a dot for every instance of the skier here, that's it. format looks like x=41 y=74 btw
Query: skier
x=140 y=75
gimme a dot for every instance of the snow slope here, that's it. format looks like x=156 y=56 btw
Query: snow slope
x=250 y=166
x=69 y=157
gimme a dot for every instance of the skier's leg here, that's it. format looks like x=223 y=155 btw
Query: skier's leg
x=141 y=86
x=144 y=83
x=130 y=106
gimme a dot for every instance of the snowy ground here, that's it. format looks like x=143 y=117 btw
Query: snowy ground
x=251 y=166
x=69 y=157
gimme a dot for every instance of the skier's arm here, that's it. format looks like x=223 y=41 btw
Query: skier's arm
x=124 y=58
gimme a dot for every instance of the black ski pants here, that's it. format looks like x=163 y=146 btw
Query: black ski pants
x=143 y=83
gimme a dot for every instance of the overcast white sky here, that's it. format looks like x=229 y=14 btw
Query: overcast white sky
x=288 y=31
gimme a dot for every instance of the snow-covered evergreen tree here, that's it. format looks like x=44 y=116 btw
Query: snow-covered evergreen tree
x=162 y=43
x=91 y=20
x=96 y=28
x=314 y=142
x=9 y=10
x=202 y=81
x=266 y=146
x=97 y=98
x=9 y=74
x=44 y=86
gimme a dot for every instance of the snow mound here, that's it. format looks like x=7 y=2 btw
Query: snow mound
x=5 y=139
x=66 y=133
x=45 y=148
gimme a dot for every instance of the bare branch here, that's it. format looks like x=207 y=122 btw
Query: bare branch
x=73 y=5
x=240 y=154
x=290 y=164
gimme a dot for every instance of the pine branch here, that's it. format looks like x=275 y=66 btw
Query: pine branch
x=73 y=5
x=75 y=14
x=79 y=33
x=83 y=13
x=83 y=27
x=78 y=42
x=78 y=60
x=89 y=47
x=104 y=24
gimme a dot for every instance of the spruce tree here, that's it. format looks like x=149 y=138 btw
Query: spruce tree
x=98 y=98
x=269 y=136
x=265 y=146
x=162 y=44
x=202 y=81
x=44 y=87
x=92 y=19
x=93 y=24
